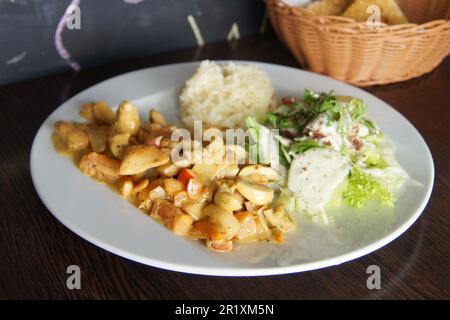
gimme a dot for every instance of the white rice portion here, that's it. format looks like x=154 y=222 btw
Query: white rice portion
x=222 y=96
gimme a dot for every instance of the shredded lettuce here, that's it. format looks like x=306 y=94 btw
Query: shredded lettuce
x=373 y=157
x=272 y=119
x=304 y=145
x=285 y=157
x=251 y=122
x=253 y=130
x=373 y=129
x=286 y=124
x=363 y=187
x=290 y=110
x=262 y=143
x=291 y=203
x=357 y=109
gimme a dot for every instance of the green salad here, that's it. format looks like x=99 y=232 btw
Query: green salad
x=326 y=145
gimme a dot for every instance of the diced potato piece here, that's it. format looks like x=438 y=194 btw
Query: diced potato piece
x=93 y=162
x=222 y=220
x=173 y=186
x=207 y=194
x=150 y=193
x=77 y=140
x=157 y=193
x=250 y=206
x=228 y=201
x=127 y=118
x=182 y=224
x=118 y=143
x=125 y=187
x=165 y=211
x=137 y=159
x=258 y=174
x=97 y=137
x=157 y=117
x=141 y=185
x=228 y=171
x=194 y=209
x=87 y=112
x=263 y=231
x=103 y=113
x=278 y=236
x=169 y=169
x=145 y=205
x=278 y=217
x=247 y=225
x=62 y=128
x=256 y=194
x=221 y=245
x=227 y=186
x=209 y=172
x=200 y=229
x=179 y=198
x=206 y=172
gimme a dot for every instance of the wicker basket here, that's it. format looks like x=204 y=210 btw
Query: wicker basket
x=352 y=52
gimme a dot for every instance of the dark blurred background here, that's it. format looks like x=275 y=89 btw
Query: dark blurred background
x=110 y=30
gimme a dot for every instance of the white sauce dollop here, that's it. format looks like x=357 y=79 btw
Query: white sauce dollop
x=314 y=175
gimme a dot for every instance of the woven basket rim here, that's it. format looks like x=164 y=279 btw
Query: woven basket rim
x=350 y=26
x=360 y=28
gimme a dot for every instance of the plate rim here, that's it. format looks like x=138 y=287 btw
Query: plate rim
x=238 y=271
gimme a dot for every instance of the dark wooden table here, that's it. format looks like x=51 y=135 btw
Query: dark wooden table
x=35 y=249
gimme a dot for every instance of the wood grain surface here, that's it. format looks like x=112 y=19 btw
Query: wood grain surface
x=35 y=249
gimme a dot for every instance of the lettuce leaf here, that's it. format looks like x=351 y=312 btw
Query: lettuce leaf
x=262 y=143
x=357 y=109
x=373 y=157
x=304 y=145
x=363 y=187
x=272 y=119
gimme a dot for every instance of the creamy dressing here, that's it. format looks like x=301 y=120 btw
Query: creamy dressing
x=326 y=132
x=314 y=175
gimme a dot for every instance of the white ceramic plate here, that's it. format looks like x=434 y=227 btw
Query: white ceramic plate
x=94 y=212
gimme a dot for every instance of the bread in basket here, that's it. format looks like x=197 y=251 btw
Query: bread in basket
x=356 y=53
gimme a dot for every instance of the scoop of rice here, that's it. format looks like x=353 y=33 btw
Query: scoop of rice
x=223 y=96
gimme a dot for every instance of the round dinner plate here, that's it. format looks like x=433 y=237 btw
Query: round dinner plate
x=97 y=214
